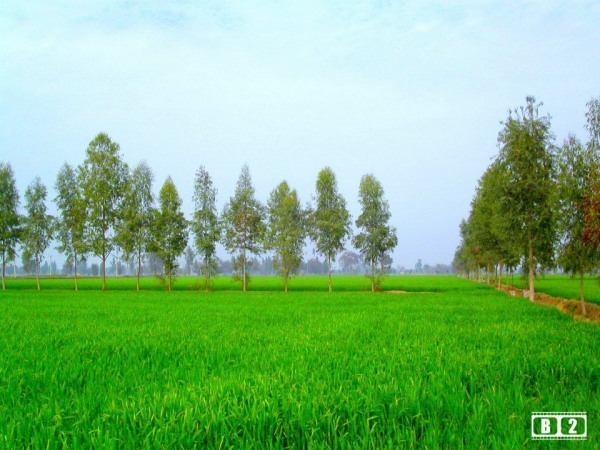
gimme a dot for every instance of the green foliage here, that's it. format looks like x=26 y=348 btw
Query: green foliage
x=526 y=153
x=169 y=231
x=9 y=216
x=134 y=225
x=205 y=224
x=103 y=178
x=243 y=226
x=461 y=368
x=286 y=230
x=576 y=165
x=71 y=220
x=330 y=221
x=377 y=239
x=37 y=225
x=591 y=199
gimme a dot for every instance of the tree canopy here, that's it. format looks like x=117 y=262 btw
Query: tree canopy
x=330 y=221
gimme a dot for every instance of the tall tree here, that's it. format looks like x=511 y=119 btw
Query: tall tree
x=376 y=238
x=71 y=220
x=9 y=217
x=286 y=230
x=190 y=260
x=205 y=224
x=575 y=178
x=489 y=225
x=104 y=180
x=243 y=226
x=527 y=155
x=169 y=231
x=330 y=221
x=133 y=229
x=38 y=226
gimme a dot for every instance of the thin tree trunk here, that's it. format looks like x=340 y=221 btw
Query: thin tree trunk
x=37 y=278
x=488 y=269
x=103 y=272
x=500 y=269
x=582 y=293
x=3 y=270
x=372 y=277
x=75 y=272
x=531 y=272
x=15 y=268
x=285 y=282
x=329 y=273
x=244 y=272
x=103 y=261
x=139 y=269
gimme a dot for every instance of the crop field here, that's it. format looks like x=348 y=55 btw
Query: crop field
x=562 y=286
x=451 y=364
x=260 y=283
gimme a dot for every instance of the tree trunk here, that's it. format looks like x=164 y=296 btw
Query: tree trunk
x=285 y=281
x=15 y=268
x=582 y=293
x=75 y=272
x=244 y=272
x=531 y=272
x=3 y=270
x=329 y=272
x=103 y=272
x=37 y=277
x=139 y=269
x=103 y=261
x=372 y=277
x=488 y=269
x=500 y=269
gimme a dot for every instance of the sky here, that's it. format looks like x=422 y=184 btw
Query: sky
x=413 y=92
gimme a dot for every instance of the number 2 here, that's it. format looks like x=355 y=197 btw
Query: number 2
x=573 y=423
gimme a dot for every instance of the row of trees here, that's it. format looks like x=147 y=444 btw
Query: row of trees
x=103 y=206
x=537 y=205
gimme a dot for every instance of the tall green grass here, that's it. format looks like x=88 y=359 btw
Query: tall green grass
x=462 y=367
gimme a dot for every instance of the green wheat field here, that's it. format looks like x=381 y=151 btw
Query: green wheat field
x=449 y=364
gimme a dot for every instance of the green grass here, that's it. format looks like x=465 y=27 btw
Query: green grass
x=562 y=286
x=462 y=366
x=258 y=283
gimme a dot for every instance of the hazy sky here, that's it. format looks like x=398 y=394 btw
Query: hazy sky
x=410 y=91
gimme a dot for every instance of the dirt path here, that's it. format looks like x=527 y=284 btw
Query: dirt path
x=570 y=307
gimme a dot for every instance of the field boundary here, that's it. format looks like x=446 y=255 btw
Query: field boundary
x=570 y=307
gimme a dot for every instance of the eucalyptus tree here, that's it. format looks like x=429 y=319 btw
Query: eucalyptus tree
x=243 y=226
x=527 y=155
x=330 y=221
x=9 y=217
x=376 y=238
x=37 y=226
x=286 y=230
x=71 y=218
x=205 y=224
x=169 y=231
x=133 y=226
x=103 y=177
x=489 y=225
x=576 y=164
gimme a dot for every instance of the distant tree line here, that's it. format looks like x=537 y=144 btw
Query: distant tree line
x=104 y=207
x=537 y=206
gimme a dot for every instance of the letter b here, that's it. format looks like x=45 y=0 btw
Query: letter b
x=545 y=426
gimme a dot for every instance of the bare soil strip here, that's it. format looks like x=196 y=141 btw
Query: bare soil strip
x=570 y=307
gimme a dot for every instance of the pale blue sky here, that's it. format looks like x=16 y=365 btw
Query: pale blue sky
x=412 y=92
